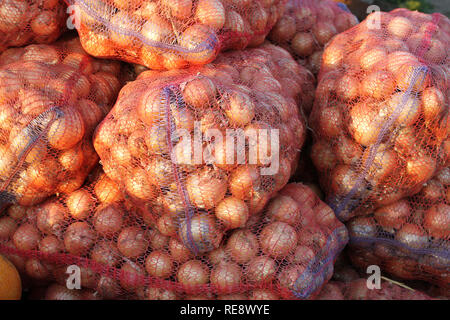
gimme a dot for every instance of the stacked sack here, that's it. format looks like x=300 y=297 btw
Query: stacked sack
x=51 y=99
x=203 y=149
x=167 y=34
x=31 y=21
x=288 y=254
x=381 y=124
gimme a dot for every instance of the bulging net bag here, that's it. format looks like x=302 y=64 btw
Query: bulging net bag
x=51 y=99
x=287 y=253
x=409 y=238
x=359 y=290
x=380 y=117
x=204 y=149
x=308 y=25
x=31 y=21
x=167 y=34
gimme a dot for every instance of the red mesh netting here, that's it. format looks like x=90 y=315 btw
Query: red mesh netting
x=31 y=21
x=222 y=138
x=172 y=34
x=51 y=99
x=308 y=25
x=287 y=253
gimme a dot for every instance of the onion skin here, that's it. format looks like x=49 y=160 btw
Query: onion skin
x=393 y=215
x=436 y=221
x=79 y=238
x=278 y=239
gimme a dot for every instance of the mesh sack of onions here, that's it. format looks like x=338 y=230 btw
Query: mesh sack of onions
x=24 y=22
x=381 y=117
x=358 y=290
x=51 y=99
x=203 y=149
x=308 y=25
x=168 y=34
x=288 y=254
x=349 y=284
x=409 y=238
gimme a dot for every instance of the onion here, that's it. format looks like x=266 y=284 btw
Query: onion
x=420 y=168
x=243 y=182
x=263 y=294
x=166 y=225
x=433 y=102
x=179 y=252
x=132 y=242
x=436 y=221
x=284 y=209
x=242 y=245
x=372 y=58
x=105 y=252
x=378 y=85
x=414 y=76
x=159 y=264
x=199 y=92
x=343 y=179
x=330 y=121
x=278 y=239
x=210 y=13
x=51 y=218
x=218 y=256
x=240 y=109
x=58 y=292
x=16 y=212
x=107 y=190
x=50 y=245
x=138 y=184
x=347 y=88
x=67 y=130
x=332 y=57
x=154 y=293
x=347 y=151
x=284 y=30
x=232 y=212
x=202 y=43
x=108 y=220
x=232 y=296
x=43 y=175
x=45 y=24
x=261 y=269
x=226 y=277
x=156 y=140
x=323 y=32
x=200 y=233
x=323 y=156
x=393 y=215
x=383 y=165
x=71 y=159
x=7 y=227
x=193 y=272
x=330 y=291
x=432 y=191
x=364 y=124
x=131 y=276
x=79 y=238
x=206 y=188
x=80 y=204
x=400 y=27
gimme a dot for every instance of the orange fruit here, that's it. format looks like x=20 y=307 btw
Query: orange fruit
x=10 y=283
